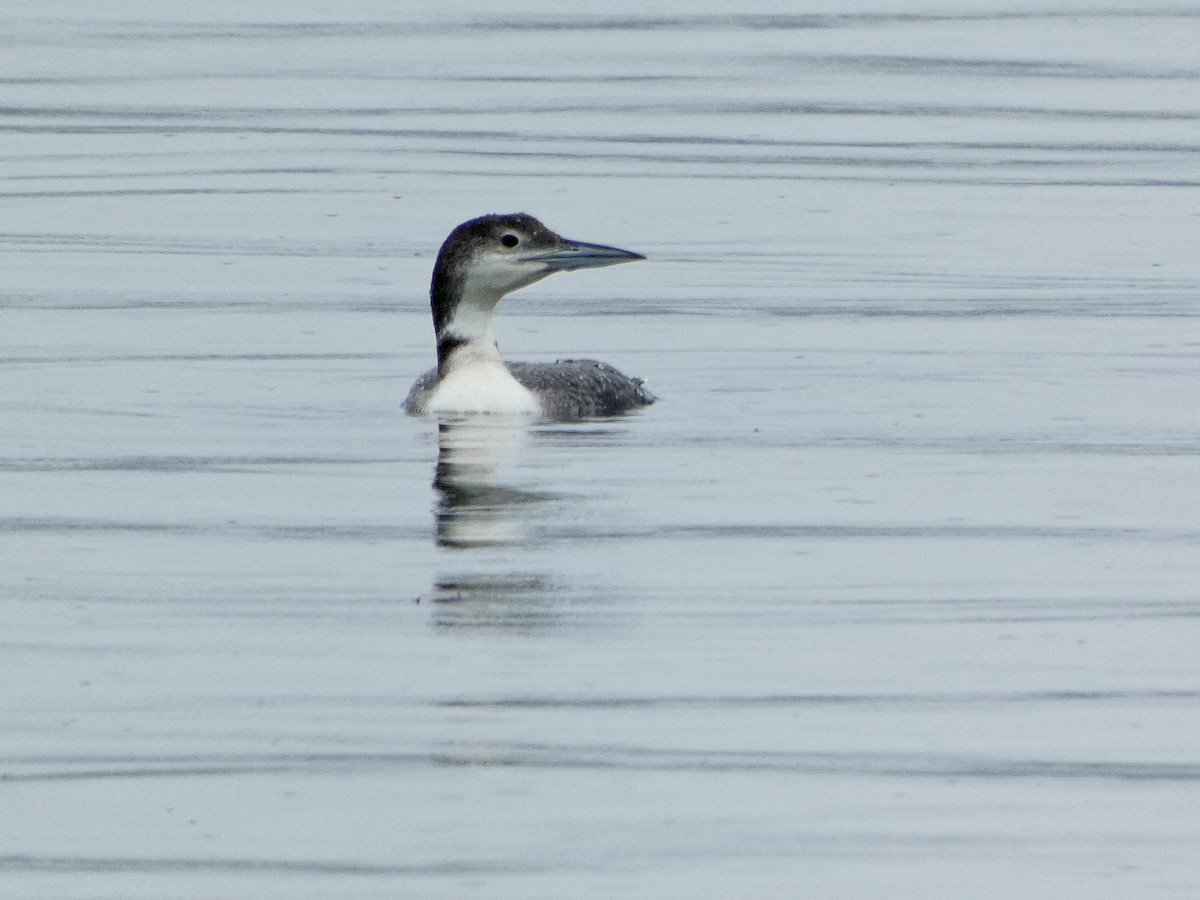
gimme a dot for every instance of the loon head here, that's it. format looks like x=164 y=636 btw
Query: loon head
x=488 y=257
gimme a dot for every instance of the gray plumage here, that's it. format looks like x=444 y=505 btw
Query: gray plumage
x=567 y=390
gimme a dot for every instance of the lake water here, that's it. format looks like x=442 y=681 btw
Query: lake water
x=896 y=592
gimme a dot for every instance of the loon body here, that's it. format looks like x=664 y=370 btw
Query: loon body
x=480 y=262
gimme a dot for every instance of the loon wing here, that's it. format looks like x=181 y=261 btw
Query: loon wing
x=581 y=388
x=414 y=403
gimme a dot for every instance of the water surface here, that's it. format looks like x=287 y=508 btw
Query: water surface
x=893 y=593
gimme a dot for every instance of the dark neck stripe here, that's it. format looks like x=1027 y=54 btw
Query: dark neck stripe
x=446 y=345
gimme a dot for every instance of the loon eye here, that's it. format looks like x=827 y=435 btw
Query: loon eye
x=510 y=240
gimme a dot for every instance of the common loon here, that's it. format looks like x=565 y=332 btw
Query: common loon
x=480 y=262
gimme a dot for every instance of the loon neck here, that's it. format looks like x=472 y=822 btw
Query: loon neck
x=465 y=327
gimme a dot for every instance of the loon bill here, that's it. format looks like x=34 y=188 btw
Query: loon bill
x=480 y=262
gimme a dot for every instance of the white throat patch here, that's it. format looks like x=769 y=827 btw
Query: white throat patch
x=482 y=385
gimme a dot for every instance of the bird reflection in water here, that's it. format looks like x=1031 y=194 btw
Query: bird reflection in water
x=478 y=507
x=475 y=507
x=494 y=525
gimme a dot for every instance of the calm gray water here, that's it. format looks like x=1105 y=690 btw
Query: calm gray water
x=896 y=593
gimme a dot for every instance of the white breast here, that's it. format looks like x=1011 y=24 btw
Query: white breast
x=482 y=386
